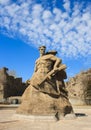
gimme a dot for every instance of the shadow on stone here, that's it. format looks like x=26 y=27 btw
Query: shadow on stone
x=9 y=121
x=80 y=114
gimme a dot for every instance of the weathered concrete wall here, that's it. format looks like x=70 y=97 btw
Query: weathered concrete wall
x=9 y=85
x=79 y=88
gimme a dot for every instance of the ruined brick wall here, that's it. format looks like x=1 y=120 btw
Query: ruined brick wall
x=3 y=81
x=9 y=85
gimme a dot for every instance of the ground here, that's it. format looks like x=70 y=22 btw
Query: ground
x=8 y=120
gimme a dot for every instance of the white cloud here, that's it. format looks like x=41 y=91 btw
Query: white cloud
x=67 y=5
x=68 y=31
x=4 y=2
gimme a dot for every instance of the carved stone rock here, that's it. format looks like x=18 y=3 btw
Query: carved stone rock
x=79 y=88
x=38 y=103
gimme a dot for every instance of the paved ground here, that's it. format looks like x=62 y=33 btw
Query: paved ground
x=9 y=122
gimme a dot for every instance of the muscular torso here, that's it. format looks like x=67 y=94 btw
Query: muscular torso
x=44 y=65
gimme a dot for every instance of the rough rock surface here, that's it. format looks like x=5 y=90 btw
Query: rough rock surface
x=38 y=103
x=79 y=88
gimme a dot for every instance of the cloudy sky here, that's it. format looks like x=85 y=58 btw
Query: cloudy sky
x=62 y=25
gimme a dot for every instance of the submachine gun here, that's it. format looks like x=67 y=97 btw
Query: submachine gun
x=52 y=73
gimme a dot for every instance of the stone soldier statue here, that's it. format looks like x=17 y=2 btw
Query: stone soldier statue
x=42 y=79
x=46 y=93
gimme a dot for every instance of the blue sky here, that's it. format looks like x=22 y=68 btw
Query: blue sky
x=62 y=25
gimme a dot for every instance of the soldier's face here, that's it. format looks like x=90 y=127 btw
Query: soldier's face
x=42 y=50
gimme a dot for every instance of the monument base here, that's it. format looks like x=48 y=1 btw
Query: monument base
x=46 y=118
x=34 y=118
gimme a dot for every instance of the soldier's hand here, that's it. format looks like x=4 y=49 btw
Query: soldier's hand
x=49 y=77
x=55 y=69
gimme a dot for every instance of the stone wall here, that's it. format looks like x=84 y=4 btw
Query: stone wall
x=79 y=88
x=9 y=85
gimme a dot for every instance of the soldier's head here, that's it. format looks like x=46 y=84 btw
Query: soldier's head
x=42 y=50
